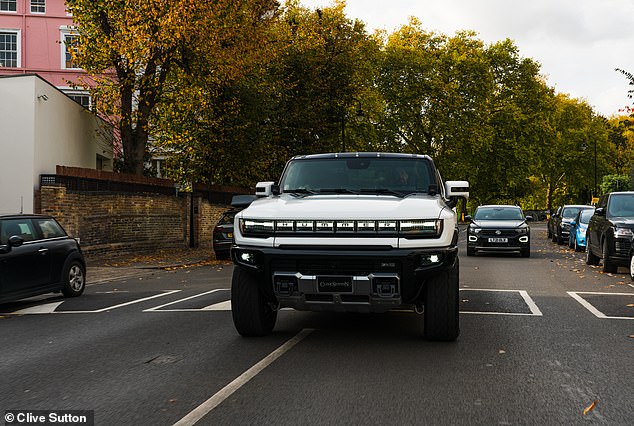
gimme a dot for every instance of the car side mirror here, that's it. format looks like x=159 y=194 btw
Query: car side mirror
x=529 y=218
x=573 y=223
x=16 y=241
x=600 y=211
x=468 y=218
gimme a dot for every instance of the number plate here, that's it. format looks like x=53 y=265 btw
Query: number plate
x=498 y=240
x=334 y=284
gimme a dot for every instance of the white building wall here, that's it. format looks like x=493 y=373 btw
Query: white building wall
x=17 y=98
x=44 y=128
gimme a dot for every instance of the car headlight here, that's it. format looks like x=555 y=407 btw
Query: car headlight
x=623 y=233
x=256 y=228
x=523 y=230
x=476 y=230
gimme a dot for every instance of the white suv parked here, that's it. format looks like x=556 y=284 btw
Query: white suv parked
x=352 y=232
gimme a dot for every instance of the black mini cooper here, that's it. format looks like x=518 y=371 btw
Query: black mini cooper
x=37 y=257
x=499 y=228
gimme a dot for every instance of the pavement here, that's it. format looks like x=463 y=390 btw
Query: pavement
x=108 y=268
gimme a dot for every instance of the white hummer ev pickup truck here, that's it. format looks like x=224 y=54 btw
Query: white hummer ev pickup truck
x=350 y=232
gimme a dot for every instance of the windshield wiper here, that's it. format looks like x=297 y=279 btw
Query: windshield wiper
x=338 y=191
x=300 y=191
x=382 y=191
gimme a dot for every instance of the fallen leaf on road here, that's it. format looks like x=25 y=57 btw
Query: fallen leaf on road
x=590 y=407
x=631 y=305
x=501 y=351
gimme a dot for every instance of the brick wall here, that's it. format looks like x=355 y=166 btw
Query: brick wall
x=129 y=223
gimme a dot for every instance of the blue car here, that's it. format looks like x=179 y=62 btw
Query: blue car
x=578 y=228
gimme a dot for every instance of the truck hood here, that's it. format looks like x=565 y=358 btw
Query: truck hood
x=345 y=206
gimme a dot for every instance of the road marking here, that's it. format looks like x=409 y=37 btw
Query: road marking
x=203 y=409
x=222 y=306
x=631 y=285
x=158 y=308
x=535 y=311
x=47 y=308
x=597 y=313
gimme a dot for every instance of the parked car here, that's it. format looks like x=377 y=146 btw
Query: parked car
x=561 y=222
x=223 y=234
x=223 y=231
x=38 y=257
x=610 y=231
x=499 y=228
x=578 y=229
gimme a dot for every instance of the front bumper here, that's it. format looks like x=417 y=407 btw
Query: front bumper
x=344 y=279
x=507 y=243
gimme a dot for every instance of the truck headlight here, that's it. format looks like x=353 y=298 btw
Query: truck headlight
x=426 y=228
x=257 y=228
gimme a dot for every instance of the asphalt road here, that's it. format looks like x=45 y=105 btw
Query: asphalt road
x=542 y=340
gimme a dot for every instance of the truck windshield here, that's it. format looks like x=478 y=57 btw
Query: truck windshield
x=359 y=175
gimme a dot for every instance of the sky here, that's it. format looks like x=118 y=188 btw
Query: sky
x=578 y=43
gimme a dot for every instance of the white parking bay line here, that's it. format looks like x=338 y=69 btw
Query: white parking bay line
x=597 y=313
x=159 y=308
x=222 y=306
x=203 y=409
x=47 y=308
x=121 y=305
x=535 y=311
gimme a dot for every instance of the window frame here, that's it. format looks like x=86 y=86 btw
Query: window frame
x=18 y=36
x=42 y=5
x=9 y=2
x=64 y=32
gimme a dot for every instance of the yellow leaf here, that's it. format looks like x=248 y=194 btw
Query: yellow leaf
x=590 y=407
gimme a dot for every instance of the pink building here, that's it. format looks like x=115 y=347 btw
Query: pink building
x=34 y=39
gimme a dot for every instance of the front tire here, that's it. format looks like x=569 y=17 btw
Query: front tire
x=441 y=320
x=74 y=279
x=252 y=314
x=591 y=259
x=471 y=251
x=632 y=266
x=608 y=265
x=526 y=252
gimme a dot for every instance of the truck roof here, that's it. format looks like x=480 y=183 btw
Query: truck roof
x=361 y=155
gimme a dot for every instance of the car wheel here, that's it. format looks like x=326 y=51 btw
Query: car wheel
x=252 y=314
x=632 y=266
x=591 y=259
x=526 y=252
x=608 y=265
x=74 y=279
x=577 y=247
x=548 y=234
x=571 y=240
x=471 y=251
x=441 y=319
x=554 y=237
x=560 y=240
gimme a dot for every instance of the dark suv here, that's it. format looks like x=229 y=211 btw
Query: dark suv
x=37 y=257
x=610 y=231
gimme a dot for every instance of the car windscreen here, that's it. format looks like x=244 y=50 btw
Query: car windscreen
x=621 y=205
x=498 y=213
x=585 y=216
x=570 y=212
x=381 y=175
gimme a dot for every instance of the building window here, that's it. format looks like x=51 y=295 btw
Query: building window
x=38 y=6
x=81 y=97
x=8 y=5
x=69 y=44
x=9 y=48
